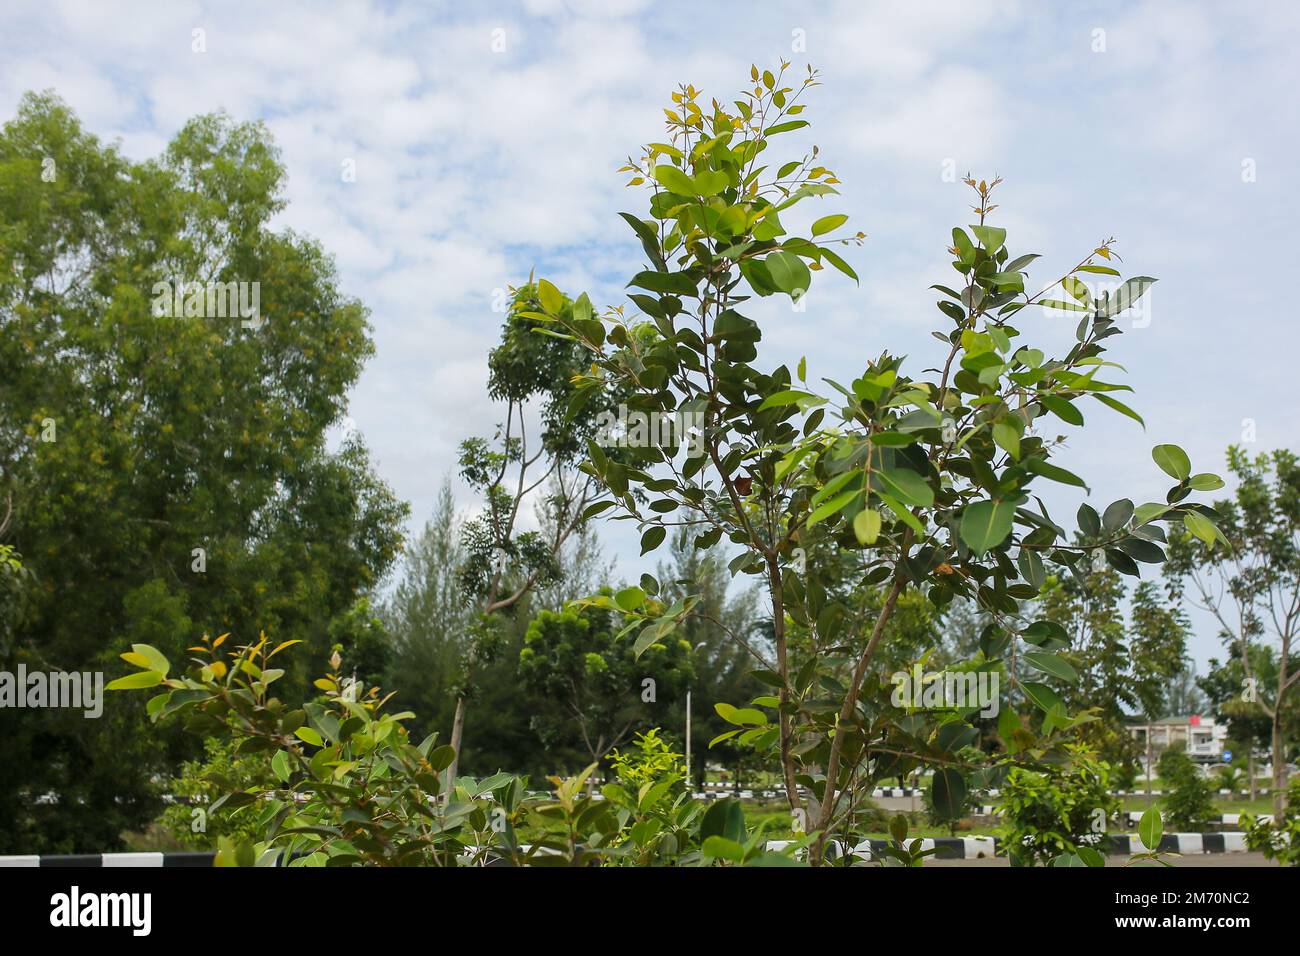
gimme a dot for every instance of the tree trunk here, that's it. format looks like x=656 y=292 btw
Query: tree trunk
x=1279 y=766
x=778 y=635
x=1250 y=767
x=457 y=732
x=1150 y=761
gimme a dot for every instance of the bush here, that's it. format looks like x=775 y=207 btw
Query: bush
x=1280 y=839
x=1058 y=810
x=1189 y=804
x=193 y=822
x=651 y=761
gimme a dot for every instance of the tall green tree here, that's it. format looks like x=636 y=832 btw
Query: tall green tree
x=169 y=468
x=1248 y=579
x=536 y=446
x=929 y=480
x=428 y=616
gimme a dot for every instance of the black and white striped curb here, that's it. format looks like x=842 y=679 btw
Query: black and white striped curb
x=976 y=848
x=948 y=848
x=96 y=860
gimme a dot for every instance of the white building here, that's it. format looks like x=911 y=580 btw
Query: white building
x=1203 y=738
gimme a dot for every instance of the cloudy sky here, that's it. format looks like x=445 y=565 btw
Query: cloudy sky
x=485 y=139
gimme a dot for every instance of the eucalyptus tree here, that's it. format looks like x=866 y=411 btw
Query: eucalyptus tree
x=929 y=481
x=1248 y=579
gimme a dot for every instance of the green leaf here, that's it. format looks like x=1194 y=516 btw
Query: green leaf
x=1007 y=438
x=741 y=716
x=903 y=514
x=1061 y=306
x=723 y=849
x=674 y=180
x=789 y=397
x=552 y=298
x=904 y=485
x=671 y=283
x=440 y=758
x=1042 y=696
x=309 y=735
x=710 y=182
x=866 y=526
x=1077 y=289
x=651 y=634
x=1053 y=665
x=137 y=681
x=280 y=766
x=948 y=793
x=1151 y=828
x=1119 y=407
x=653 y=538
x=1062 y=409
x=1054 y=472
x=1126 y=296
x=1205 y=482
x=840 y=264
x=828 y=223
x=629 y=599
x=785 y=127
x=1173 y=461
x=157 y=661
x=789 y=273
x=986 y=524
x=1117 y=515
x=991 y=237
x=834 y=506
x=1200 y=526
x=1090 y=856
x=725 y=818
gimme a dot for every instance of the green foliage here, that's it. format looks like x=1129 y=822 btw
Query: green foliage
x=1058 y=809
x=1189 y=800
x=1247 y=575
x=594 y=690
x=1279 y=839
x=202 y=783
x=928 y=485
x=132 y=438
x=348 y=787
x=650 y=761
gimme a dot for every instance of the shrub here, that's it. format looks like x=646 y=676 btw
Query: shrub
x=651 y=761
x=202 y=783
x=1189 y=804
x=1057 y=810
x=1280 y=839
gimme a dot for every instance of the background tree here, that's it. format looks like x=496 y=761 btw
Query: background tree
x=1183 y=693
x=1250 y=728
x=722 y=667
x=170 y=474
x=1250 y=582
x=503 y=562
x=595 y=692
x=1124 y=666
x=427 y=617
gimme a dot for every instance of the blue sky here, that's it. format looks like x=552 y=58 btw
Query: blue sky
x=485 y=139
